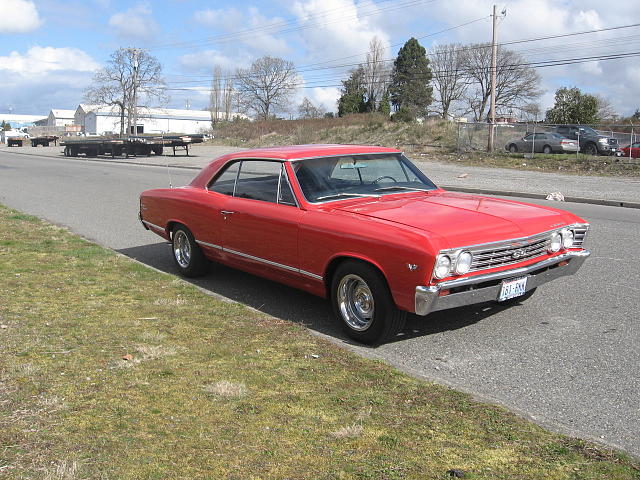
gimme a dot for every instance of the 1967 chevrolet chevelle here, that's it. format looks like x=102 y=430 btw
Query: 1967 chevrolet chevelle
x=364 y=227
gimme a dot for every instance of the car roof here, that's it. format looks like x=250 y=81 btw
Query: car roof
x=297 y=152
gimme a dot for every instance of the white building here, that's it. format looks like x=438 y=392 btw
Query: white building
x=60 y=118
x=100 y=120
x=20 y=121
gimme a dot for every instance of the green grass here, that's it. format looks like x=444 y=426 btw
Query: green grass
x=110 y=370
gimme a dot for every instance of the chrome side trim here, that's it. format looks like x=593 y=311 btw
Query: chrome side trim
x=153 y=225
x=312 y=275
x=211 y=245
x=428 y=299
x=273 y=264
x=262 y=260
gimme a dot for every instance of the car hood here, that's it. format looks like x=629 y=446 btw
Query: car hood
x=463 y=219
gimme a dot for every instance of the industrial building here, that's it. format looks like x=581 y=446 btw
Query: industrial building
x=98 y=120
x=60 y=118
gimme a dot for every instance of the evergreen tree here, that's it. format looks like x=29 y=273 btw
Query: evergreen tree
x=352 y=99
x=410 y=79
x=573 y=106
x=385 y=104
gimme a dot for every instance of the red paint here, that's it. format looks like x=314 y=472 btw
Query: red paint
x=388 y=232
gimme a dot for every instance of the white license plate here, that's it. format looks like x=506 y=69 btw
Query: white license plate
x=512 y=288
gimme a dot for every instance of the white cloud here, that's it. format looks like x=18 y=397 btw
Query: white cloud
x=135 y=23
x=256 y=32
x=327 y=97
x=205 y=61
x=19 y=16
x=42 y=60
x=338 y=28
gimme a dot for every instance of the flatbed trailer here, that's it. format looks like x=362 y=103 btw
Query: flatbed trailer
x=44 y=140
x=132 y=146
x=15 y=141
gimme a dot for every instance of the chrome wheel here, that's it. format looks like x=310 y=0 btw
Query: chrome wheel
x=182 y=248
x=355 y=302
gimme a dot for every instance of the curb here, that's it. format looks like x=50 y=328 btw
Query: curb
x=539 y=196
x=453 y=188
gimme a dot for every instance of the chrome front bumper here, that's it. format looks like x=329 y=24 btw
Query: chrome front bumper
x=486 y=288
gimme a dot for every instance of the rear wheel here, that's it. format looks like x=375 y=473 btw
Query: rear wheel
x=187 y=255
x=361 y=300
x=547 y=149
x=513 y=148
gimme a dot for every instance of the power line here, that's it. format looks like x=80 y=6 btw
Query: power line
x=280 y=28
x=510 y=67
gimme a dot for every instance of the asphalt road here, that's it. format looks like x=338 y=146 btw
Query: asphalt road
x=567 y=358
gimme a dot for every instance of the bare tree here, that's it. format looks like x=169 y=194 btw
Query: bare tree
x=267 y=86
x=516 y=83
x=376 y=74
x=228 y=93
x=216 y=95
x=449 y=76
x=606 y=110
x=308 y=110
x=532 y=112
x=118 y=83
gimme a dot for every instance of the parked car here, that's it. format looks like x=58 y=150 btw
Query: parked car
x=542 y=143
x=364 y=227
x=635 y=150
x=591 y=142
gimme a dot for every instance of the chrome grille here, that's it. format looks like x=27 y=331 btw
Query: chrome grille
x=509 y=252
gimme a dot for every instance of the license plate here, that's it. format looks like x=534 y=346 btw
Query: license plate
x=512 y=288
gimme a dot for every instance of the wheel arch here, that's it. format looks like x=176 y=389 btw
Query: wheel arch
x=339 y=259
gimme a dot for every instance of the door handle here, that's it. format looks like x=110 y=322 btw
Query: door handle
x=226 y=212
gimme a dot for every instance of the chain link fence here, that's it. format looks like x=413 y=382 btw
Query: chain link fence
x=475 y=136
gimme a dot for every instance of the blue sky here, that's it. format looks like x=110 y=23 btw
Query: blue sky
x=49 y=49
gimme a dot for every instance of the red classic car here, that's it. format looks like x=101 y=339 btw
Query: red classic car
x=632 y=150
x=364 y=227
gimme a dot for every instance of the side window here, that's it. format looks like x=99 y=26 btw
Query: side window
x=258 y=180
x=226 y=181
x=285 y=195
x=529 y=137
x=540 y=136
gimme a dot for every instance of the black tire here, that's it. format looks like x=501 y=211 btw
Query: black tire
x=362 y=302
x=187 y=255
x=513 y=148
x=522 y=298
x=591 y=149
x=157 y=149
x=547 y=149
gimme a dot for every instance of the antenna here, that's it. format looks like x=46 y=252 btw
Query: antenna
x=169 y=175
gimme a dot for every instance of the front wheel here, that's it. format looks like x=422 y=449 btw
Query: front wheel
x=513 y=148
x=187 y=255
x=363 y=304
x=591 y=149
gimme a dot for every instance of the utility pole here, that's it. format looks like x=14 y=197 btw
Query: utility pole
x=492 y=110
x=135 y=90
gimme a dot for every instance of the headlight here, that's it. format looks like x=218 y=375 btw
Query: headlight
x=603 y=140
x=567 y=238
x=443 y=265
x=556 y=242
x=463 y=262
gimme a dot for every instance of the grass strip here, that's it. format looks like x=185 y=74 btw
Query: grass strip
x=110 y=370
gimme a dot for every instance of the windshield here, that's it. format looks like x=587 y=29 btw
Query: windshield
x=588 y=131
x=345 y=176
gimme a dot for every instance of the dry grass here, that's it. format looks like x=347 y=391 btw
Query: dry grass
x=292 y=406
x=226 y=389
